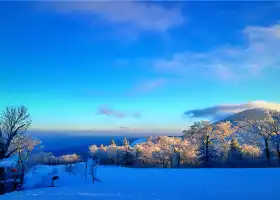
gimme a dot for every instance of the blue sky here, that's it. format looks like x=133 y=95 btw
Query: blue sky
x=139 y=65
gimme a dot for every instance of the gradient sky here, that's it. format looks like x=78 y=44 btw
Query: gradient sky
x=136 y=65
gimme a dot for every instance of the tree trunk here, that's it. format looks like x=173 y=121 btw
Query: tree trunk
x=92 y=173
x=267 y=152
x=22 y=169
x=86 y=170
x=171 y=161
x=118 y=159
x=207 y=152
x=2 y=146
x=178 y=160
x=278 y=151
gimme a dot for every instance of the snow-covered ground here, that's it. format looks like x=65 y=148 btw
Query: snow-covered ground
x=9 y=162
x=130 y=183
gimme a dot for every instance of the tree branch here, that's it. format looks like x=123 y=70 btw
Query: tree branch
x=10 y=153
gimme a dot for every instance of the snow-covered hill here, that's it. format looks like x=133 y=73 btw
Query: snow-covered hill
x=138 y=141
x=249 y=114
x=164 y=184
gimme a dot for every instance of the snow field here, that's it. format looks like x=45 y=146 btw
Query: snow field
x=165 y=184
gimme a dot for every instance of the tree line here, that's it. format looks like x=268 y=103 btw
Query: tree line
x=244 y=143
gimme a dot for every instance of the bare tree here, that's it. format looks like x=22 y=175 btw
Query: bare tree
x=13 y=122
x=24 y=145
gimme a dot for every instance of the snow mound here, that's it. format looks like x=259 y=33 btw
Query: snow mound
x=9 y=162
x=40 y=176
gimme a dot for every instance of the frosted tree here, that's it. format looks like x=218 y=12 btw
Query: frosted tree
x=235 y=151
x=163 y=151
x=146 y=152
x=175 y=147
x=99 y=153
x=113 y=153
x=168 y=151
x=118 y=155
x=275 y=126
x=224 y=132
x=138 y=148
x=207 y=134
x=14 y=122
x=93 y=150
x=128 y=158
x=102 y=147
x=201 y=131
x=113 y=143
x=262 y=132
x=125 y=143
x=102 y=154
x=23 y=145
x=161 y=156
x=250 y=151
x=69 y=159
x=188 y=152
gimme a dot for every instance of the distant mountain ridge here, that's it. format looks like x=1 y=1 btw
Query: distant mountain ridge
x=249 y=114
x=255 y=113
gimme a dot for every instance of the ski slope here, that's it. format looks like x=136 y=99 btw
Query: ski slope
x=155 y=184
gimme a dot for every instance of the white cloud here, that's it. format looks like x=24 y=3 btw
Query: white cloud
x=105 y=110
x=261 y=51
x=219 y=111
x=140 y=15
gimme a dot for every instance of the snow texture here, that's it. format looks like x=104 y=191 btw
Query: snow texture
x=164 y=184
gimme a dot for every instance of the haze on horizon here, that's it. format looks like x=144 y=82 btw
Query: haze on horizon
x=138 y=66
